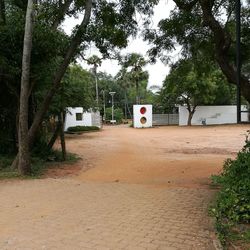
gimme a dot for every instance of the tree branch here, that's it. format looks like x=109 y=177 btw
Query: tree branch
x=62 y=10
x=183 y=5
x=76 y=41
x=222 y=45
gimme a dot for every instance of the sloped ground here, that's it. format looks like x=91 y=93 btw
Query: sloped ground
x=138 y=189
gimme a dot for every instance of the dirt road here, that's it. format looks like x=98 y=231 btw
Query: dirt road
x=163 y=156
x=144 y=190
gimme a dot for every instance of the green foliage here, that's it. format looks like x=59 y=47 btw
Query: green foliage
x=185 y=84
x=77 y=90
x=185 y=27
x=233 y=202
x=82 y=128
x=118 y=114
x=109 y=28
x=133 y=75
x=5 y=161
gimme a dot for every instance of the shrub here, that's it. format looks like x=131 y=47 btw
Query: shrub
x=233 y=201
x=82 y=128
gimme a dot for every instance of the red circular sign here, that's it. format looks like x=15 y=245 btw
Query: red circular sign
x=143 y=110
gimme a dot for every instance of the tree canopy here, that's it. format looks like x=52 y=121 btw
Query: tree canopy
x=205 y=30
x=185 y=85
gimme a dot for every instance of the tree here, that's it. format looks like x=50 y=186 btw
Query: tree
x=200 y=28
x=134 y=64
x=95 y=61
x=185 y=86
x=24 y=167
x=76 y=91
x=107 y=24
x=124 y=80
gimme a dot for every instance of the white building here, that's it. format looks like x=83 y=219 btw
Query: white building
x=79 y=117
x=212 y=115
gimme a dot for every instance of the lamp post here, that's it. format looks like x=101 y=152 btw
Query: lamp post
x=238 y=58
x=104 y=106
x=112 y=96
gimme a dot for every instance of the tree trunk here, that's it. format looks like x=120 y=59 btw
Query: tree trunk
x=137 y=92
x=62 y=10
x=62 y=139
x=54 y=136
x=222 y=48
x=191 y=111
x=24 y=166
x=190 y=116
x=60 y=72
x=75 y=42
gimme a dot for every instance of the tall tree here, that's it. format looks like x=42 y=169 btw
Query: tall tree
x=134 y=64
x=95 y=61
x=185 y=86
x=107 y=24
x=70 y=53
x=24 y=167
x=207 y=27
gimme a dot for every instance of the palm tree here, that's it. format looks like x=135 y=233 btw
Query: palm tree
x=133 y=64
x=96 y=62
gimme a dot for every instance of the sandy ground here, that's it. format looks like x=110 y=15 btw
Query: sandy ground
x=168 y=156
x=134 y=189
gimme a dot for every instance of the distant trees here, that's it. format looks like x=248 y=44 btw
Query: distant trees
x=187 y=86
x=107 y=24
x=132 y=73
x=205 y=30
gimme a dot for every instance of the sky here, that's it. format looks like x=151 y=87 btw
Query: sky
x=157 y=71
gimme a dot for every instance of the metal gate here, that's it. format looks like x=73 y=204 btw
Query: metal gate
x=96 y=119
x=165 y=119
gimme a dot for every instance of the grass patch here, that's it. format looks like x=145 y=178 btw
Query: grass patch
x=38 y=164
x=240 y=233
x=5 y=171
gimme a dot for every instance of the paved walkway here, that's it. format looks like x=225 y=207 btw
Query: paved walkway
x=145 y=189
x=68 y=214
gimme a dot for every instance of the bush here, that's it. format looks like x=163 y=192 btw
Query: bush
x=233 y=202
x=82 y=128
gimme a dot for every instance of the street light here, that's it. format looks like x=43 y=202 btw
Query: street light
x=112 y=96
x=104 y=107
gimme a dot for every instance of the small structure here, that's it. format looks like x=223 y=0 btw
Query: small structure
x=79 y=117
x=142 y=116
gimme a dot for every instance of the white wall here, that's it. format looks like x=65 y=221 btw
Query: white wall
x=212 y=115
x=70 y=119
x=137 y=116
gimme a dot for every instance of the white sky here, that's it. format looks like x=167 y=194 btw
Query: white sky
x=157 y=71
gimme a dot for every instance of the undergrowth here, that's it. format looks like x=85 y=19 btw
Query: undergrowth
x=232 y=206
x=39 y=163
